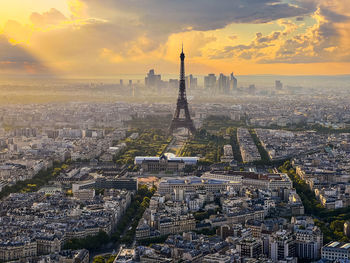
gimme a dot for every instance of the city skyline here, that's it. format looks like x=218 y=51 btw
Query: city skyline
x=135 y=131
x=88 y=38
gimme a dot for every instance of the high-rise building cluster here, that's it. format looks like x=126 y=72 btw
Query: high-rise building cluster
x=278 y=85
x=221 y=85
x=152 y=80
x=212 y=84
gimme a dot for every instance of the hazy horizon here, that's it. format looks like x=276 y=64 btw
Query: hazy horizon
x=106 y=38
x=261 y=81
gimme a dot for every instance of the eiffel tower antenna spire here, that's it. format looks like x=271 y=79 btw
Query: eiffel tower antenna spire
x=182 y=104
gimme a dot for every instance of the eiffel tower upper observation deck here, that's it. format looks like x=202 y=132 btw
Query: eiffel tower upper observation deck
x=182 y=121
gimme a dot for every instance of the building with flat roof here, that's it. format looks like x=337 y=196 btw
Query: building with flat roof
x=282 y=245
x=249 y=248
x=129 y=184
x=335 y=251
x=168 y=185
x=164 y=163
x=216 y=258
x=228 y=153
x=187 y=160
x=252 y=179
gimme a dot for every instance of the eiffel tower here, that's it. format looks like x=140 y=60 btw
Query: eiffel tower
x=179 y=121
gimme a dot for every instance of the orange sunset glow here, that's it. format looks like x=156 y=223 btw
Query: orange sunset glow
x=97 y=38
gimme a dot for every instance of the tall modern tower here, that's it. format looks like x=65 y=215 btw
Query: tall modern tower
x=182 y=121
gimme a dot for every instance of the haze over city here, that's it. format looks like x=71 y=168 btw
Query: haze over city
x=168 y=131
x=104 y=38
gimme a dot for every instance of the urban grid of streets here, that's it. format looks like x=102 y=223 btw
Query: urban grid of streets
x=263 y=179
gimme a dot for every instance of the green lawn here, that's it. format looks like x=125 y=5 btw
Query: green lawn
x=151 y=142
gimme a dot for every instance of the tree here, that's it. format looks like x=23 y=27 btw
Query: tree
x=111 y=259
x=145 y=202
x=337 y=225
x=230 y=131
x=99 y=259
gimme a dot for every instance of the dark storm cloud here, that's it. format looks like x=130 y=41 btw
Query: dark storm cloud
x=13 y=53
x=273 y=36
x=13 y=57
x=333 y=16
x=155 y=20
x=176 y=15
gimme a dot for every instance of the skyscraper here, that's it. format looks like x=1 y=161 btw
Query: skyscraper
x=210 y=82
x=173 y=83
x=223 y=84
x=252 y=89
x=233 y=82
x=278 y=84
x=152 y=80
x=191 y=82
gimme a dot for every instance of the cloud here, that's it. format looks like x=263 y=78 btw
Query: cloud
x=325 y=41
x=174 y=16
x=15 y=58
x=53 y=16
x=251 y=51
x=194 y=44
x=16 y=33
x=104 y=37
x=78 y=8
x=274 y=36
x=333 y=16
x=233 y=37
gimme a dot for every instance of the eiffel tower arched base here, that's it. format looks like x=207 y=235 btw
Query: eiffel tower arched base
x=182 y=123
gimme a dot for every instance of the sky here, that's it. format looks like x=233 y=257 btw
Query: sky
x=104 y=38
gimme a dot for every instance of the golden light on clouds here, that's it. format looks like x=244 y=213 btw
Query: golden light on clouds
x=107 y=37
x=77 y=8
